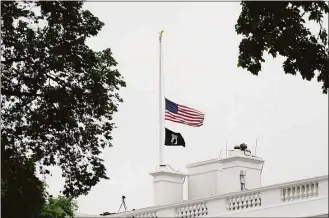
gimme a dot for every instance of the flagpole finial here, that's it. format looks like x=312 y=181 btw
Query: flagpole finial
x=160 y=35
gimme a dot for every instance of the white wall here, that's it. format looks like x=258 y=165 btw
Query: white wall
x=167 y=187
x=310 y=202
x=221 y=176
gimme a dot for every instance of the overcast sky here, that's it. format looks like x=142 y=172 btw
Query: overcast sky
x=288 y=115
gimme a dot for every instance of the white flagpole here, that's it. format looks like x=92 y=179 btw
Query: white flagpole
x=161 y=104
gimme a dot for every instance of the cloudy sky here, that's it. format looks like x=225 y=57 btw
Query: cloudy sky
x=288 y=115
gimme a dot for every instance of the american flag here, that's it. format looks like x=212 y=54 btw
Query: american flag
x=182 y=114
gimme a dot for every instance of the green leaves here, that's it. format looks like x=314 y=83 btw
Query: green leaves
x=279 y=28
x=60 y=207
x=58 y=95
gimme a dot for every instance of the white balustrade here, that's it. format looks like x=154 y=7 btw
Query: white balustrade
x=300 y=191
x=144 y=215
x=192 y=210
x=243 y=201
x=262 y=199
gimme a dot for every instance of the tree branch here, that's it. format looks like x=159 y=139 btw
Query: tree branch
x=59 y=81
x=13 y=60
x=19 y=93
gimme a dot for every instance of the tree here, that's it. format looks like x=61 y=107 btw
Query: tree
x=58 y=96
x=60 y=207
x=279 y=28
x=22 y=193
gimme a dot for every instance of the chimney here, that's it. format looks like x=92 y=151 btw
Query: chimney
x=167 y=186
x=238 y=172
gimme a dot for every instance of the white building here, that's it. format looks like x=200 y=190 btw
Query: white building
x=231 y=187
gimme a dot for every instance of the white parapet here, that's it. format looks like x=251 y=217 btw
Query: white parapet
x=303 y=198
x=167 y=186
x=239 y=171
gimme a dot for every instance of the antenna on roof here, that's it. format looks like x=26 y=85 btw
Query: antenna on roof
x=226 y=148
x=256 y=146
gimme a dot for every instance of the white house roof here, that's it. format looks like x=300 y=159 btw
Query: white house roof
x=302 y=198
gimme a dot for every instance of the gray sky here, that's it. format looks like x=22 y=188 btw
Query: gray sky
x=287 y=114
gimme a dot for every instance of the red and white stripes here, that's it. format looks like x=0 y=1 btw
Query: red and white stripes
x=186 y=115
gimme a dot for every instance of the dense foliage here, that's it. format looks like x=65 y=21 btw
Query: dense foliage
x=22 y=193
x=279 y=28
x=60 y=207
x=58 y=96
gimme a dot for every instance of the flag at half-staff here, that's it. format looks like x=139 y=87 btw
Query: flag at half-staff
x=173 y=138
x=182 y=114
